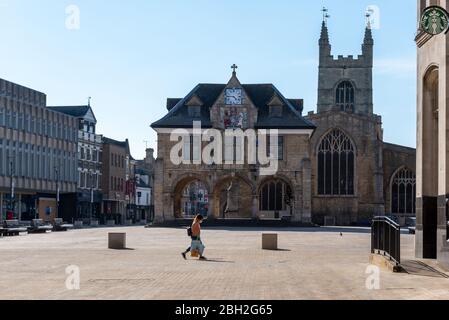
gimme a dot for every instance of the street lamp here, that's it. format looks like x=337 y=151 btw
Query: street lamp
x=92 y=197
x=57 y=190
x=12 y=186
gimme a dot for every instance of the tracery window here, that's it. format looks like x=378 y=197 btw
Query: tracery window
x=403 y=192
x=275 y=195
x=345 y=96
x=336 y=164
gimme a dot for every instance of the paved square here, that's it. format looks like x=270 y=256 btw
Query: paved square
x=312 y=264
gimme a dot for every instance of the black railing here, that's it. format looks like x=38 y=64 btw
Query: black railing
x=386 y=238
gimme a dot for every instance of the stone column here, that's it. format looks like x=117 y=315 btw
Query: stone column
x=19 y=207
x=211 y=211
x=255 y=209
x=306 y=192
x=158 y=191
x=1 y=208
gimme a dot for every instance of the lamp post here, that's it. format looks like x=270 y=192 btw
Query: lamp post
x=91 y=203
x=12 y=186
x=57 y=191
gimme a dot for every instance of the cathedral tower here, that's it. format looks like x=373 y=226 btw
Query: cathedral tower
x=345 y=83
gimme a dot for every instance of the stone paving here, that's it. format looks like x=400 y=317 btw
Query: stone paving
x=313 y=264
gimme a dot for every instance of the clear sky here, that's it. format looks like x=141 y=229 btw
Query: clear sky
x=129 y=56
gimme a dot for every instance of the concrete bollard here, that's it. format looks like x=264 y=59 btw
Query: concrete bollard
x=78 y=224
x=269 y=241
x=117 y=241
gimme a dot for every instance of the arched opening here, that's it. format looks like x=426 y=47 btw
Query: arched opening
x=275 y=199
x=191 y=197
x=345 y=96
x=429 y=145
x=233 y=198
x=336 y=165
x=403 y=193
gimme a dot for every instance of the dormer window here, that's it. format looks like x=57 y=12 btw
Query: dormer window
x=275 y=107
x=194 y=106
x=195 y=111
x=276 y=111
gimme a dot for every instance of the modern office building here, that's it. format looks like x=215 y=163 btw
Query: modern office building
x=38 y=149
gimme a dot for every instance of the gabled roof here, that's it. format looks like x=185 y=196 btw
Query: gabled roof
x=259 y=94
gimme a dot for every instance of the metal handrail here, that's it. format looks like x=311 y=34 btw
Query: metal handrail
x=386 y=238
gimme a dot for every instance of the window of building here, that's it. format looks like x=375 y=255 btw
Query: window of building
x=8 y=119
x=20 y=124
x=2 y=116
x=27 y=123
x=336 y=165
x=275 y=195
x=276 y=111
x=279 y=147
x=2 y=161
x=83 y=180
x=194 y=111
x=234 y=151
x=345 y=96
x=403 y=192
x=14 y=120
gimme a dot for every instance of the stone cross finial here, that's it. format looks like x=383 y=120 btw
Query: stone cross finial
x=234 y=67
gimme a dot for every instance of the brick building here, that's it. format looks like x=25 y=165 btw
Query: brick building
x=117 y=172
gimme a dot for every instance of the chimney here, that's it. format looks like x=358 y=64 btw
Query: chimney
x=149 y=159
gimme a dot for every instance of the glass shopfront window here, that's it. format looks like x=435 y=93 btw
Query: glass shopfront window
x=9 y=208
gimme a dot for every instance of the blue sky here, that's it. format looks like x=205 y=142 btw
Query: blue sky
x=131 y=55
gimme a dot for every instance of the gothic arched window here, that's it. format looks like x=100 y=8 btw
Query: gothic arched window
x=275 y=195
x=336 y=165
x=403 y=192
x=345 y=96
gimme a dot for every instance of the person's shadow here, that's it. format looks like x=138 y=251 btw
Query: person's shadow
x=217 y=261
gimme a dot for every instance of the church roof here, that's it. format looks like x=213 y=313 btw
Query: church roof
x=259 y=94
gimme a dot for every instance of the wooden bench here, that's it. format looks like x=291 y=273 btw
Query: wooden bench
x=38 y=226
x=13 y=228
x=60 y=225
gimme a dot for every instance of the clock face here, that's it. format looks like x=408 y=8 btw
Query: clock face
x=233 y=96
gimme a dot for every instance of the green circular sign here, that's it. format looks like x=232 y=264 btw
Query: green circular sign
x=434 y=20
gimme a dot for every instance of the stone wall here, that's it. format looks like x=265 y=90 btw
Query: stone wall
x=170 y=179
x=395 y=158
x=366 y=134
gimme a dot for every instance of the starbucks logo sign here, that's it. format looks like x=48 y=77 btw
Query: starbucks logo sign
x=435 y=20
